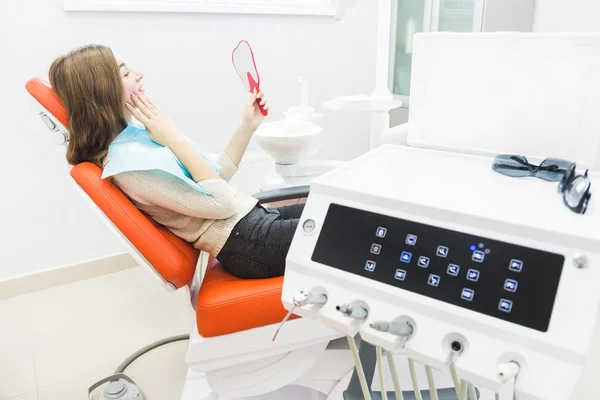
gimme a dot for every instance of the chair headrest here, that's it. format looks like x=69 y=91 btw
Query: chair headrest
x=41 y=90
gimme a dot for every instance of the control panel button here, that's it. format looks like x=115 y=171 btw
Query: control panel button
x=453 y=269
x=423 y=262
x=309 y=225
x=511 y=285
x=411 y=239
x=442 y=251
x=473 y=275
x=381 y=232
x=478 y=256
x=375 y=248
x=467 y=294
x=516 y=265
x=370 y=265
x=400 y=274
x=434 y=280
x=405 y=257
x=505 y=305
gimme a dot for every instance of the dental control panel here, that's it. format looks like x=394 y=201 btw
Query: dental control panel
x=433 y=255
x=502 y=280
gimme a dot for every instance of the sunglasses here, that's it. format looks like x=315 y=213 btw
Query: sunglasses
x=551 y=169
x=574 y=188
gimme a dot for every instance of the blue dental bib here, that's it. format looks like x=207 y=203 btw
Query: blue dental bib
x=133 y=150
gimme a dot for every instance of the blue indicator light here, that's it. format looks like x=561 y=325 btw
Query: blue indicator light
x=473 y=247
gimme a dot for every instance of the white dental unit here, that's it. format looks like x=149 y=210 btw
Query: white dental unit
x=424 y=251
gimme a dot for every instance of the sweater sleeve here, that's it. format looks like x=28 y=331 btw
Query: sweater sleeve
x=156 y=188
x=228 y=168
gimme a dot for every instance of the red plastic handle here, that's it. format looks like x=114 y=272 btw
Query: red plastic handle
x=254 y=85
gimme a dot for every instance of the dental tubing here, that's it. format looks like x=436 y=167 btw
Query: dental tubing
x=359 y=369
x=433 y=395
x=413 y=378
x=401 y=327
x=380 y=372
x=472 y=393
x=395 y=380
x=455 y=380
x=463 y=390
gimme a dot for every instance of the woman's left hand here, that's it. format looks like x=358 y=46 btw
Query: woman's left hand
x=252 y=117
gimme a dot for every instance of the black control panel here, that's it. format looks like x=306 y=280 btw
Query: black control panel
x=502 y=280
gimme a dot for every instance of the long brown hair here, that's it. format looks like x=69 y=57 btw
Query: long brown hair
x=88 y=82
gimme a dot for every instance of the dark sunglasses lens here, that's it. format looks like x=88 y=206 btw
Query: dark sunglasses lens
x=576 y=191
x=553 y=169
x=567 y=177
x=514 y=166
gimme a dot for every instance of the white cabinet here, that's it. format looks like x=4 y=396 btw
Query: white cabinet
x=411 y=16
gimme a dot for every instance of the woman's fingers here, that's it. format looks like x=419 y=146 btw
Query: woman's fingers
x=136 y=113
x=142 y=106
x=258 y=98
x=148 y=104
x=252 y=98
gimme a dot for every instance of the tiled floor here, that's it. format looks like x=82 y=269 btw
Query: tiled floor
x=56 y=343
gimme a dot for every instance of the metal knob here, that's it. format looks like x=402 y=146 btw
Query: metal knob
x=309 y=225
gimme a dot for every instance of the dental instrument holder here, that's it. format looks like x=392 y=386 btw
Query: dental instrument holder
x=353 y=247
x=289 y=141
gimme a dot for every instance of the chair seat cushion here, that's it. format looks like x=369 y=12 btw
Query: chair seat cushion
x=227 y=304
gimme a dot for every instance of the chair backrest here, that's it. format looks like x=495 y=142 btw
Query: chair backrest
x=171 y=257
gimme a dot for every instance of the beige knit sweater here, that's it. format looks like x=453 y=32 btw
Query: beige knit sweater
x=206 y=221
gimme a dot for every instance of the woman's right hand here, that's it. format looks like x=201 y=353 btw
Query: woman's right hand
x=160 y=127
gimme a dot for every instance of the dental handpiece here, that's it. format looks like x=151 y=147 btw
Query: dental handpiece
x=353 y=311
x=397 y=327
x=314 y=296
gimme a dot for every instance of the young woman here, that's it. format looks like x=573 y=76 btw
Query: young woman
x=101 y=94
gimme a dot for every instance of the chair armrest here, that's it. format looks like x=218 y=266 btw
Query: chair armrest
x=289 y=193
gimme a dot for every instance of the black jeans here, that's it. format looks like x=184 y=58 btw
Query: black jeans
x=259 y=242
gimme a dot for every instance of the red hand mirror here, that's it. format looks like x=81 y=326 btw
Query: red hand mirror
x=245 y=66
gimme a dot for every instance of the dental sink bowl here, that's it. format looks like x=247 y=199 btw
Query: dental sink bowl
x=291 y=139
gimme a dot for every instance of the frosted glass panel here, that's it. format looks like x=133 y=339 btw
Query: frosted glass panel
x=409 y=20
x=456 y=15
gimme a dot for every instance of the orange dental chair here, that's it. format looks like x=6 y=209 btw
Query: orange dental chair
x=231 y=352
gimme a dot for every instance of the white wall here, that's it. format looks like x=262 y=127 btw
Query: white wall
x=567 y=16
x=186 y=61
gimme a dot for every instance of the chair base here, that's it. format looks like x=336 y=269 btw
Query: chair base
x=197 y=388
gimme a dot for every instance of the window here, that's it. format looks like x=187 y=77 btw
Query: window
x=413 y=16
x=282 y=7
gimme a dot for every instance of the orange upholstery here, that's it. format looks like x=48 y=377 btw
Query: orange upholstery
x=230 y=304
x=174 y=259
x=225 y=304
x=41 y=90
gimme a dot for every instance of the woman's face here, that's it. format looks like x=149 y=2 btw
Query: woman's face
x=132 y=79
